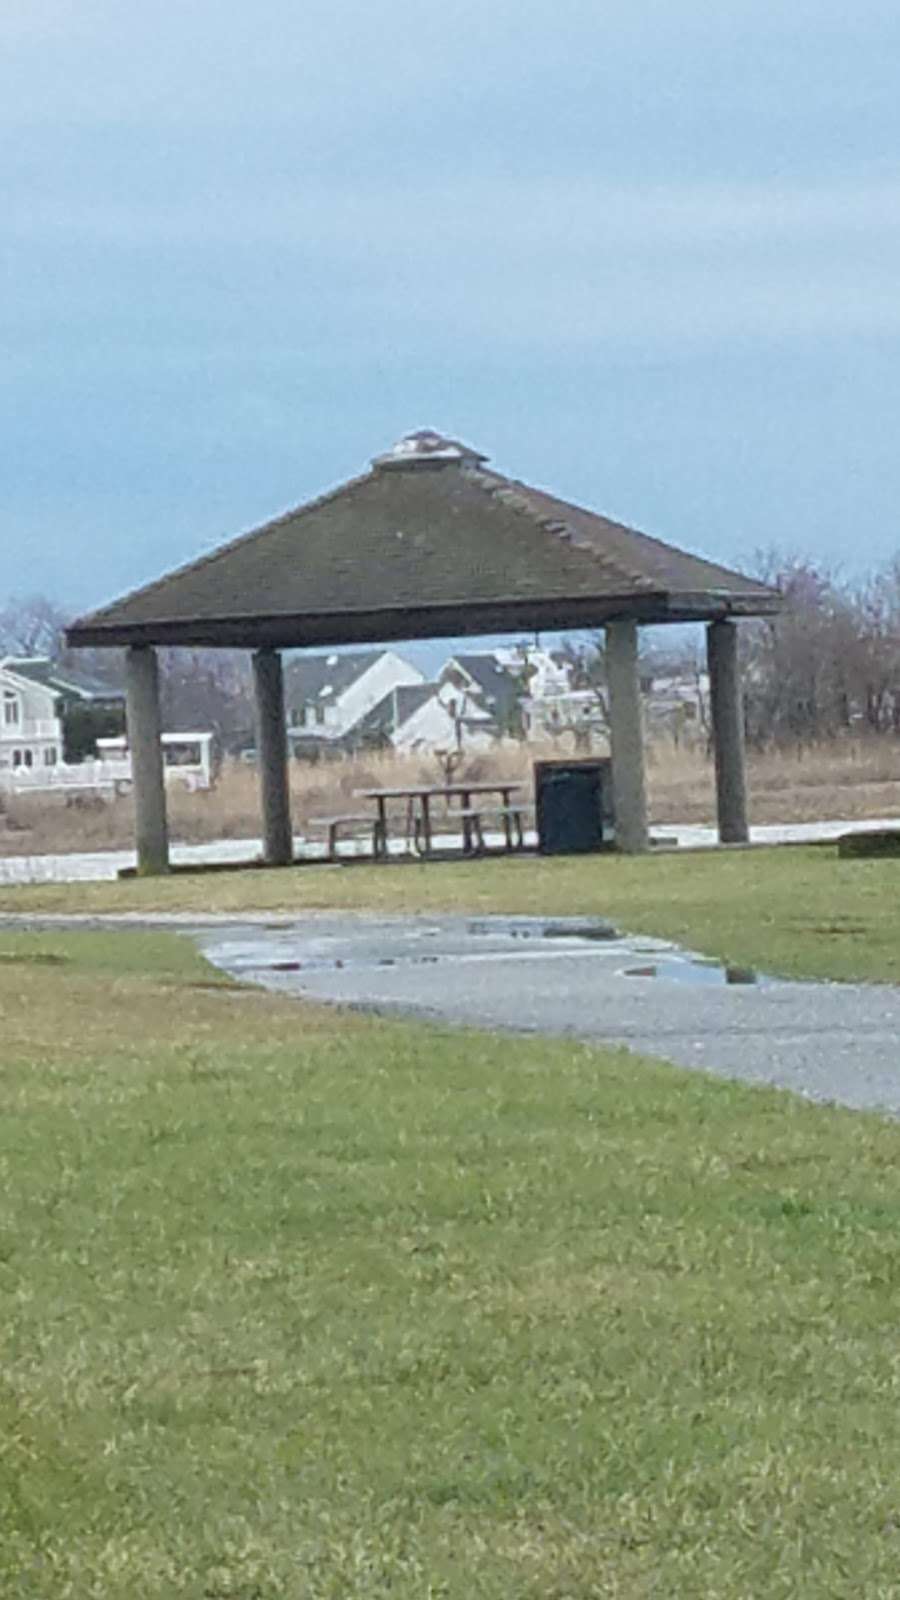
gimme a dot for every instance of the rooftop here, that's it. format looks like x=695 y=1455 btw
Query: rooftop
x=313 y=677
x=498 y=685
x=428 y=543
x=62 y=680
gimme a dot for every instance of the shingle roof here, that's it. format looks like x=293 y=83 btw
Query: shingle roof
x=411 y=697
x=306 y=677
x=428 y=543
x=498 y=686
x=43 y=671
x=395 y=708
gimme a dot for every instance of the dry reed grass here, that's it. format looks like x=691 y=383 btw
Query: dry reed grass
x=848 y=779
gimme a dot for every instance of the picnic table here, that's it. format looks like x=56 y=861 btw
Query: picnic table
x=420 y=822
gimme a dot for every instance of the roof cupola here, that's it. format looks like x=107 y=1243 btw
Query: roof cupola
x=426 y=448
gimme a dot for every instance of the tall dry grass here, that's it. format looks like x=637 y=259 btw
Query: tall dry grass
x=848 y=779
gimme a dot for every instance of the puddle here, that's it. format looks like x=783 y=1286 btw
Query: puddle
x=540 y=928
x=697 y=971
x=600 y=931
x=455 y=944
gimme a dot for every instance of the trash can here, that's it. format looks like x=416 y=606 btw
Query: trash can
x=573 y=805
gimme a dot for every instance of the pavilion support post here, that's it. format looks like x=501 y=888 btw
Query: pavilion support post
x=626 y=737
x=726 y=705
x=145 y=744
x=272 y=755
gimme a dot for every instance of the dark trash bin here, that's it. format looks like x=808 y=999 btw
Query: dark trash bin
x=573 y=805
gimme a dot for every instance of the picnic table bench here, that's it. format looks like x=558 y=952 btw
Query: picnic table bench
x=335 y=826
x=420 y=822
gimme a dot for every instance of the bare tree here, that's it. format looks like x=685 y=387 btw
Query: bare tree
x=830 y=660
x=207 y=689
x=875 y=663
x=32 y=625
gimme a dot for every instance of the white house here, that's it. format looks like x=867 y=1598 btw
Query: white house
x=478 y=689
x=433 y=725
x=35 y=696
x=421 y=718
x=546 y=673
x=551 y=704
x=328 y=697
x=524 y=690
x=677 y=703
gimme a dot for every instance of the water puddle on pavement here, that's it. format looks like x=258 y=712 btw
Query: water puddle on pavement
x=593 y=929
x=697 y=972
x=461 y=942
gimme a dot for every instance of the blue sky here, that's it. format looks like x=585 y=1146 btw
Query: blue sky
x=644 y=253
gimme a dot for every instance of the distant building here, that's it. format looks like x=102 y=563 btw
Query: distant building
x=328 y=697
x=421 y=718
x=677 y=703
x=188 y=759
x=49 y=715
x=338 y=703
x=482 y=694
x=543 y=674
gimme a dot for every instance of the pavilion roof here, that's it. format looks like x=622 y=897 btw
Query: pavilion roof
x=429 y=543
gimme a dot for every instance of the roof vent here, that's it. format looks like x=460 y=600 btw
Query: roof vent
x=425 y=448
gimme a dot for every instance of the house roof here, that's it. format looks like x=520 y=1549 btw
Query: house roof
x=325 y=676
x=395 y=708
x=496 y=683
x=61 y=680
x=411 y=697
x=428 y=543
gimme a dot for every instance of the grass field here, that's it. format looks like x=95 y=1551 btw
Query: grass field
x=797 y=912
x=301 y=1304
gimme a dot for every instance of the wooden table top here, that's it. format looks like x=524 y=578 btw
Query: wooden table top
x=437 y=791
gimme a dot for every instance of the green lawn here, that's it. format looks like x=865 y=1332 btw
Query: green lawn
x=798 y=912
x=311 y=1305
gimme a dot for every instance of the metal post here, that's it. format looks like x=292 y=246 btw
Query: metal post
x=148 y=777
x=626 y=737
x=272 y=755
x=727 y=709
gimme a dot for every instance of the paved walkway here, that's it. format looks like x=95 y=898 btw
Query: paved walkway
x=566 y=976
x=833 y=1042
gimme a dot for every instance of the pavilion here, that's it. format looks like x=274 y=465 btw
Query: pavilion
x=429 y=543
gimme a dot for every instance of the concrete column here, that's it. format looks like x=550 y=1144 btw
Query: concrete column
x=726 y=705
x=626 y=736
x=272 y=756
x=142 y=710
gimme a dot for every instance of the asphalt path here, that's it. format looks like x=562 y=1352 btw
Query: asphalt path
x=577 y=978
x=572 y=977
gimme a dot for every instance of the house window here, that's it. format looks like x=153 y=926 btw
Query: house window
x=50 y=756
x=23 y=758
x=320 y=715
x=10 y=709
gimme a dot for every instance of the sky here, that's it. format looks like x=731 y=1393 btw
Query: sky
x=645 y=253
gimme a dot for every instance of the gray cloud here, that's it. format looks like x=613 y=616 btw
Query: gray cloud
x=648 y=250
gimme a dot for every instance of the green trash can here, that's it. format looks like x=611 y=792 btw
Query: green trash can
x=573 y=806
